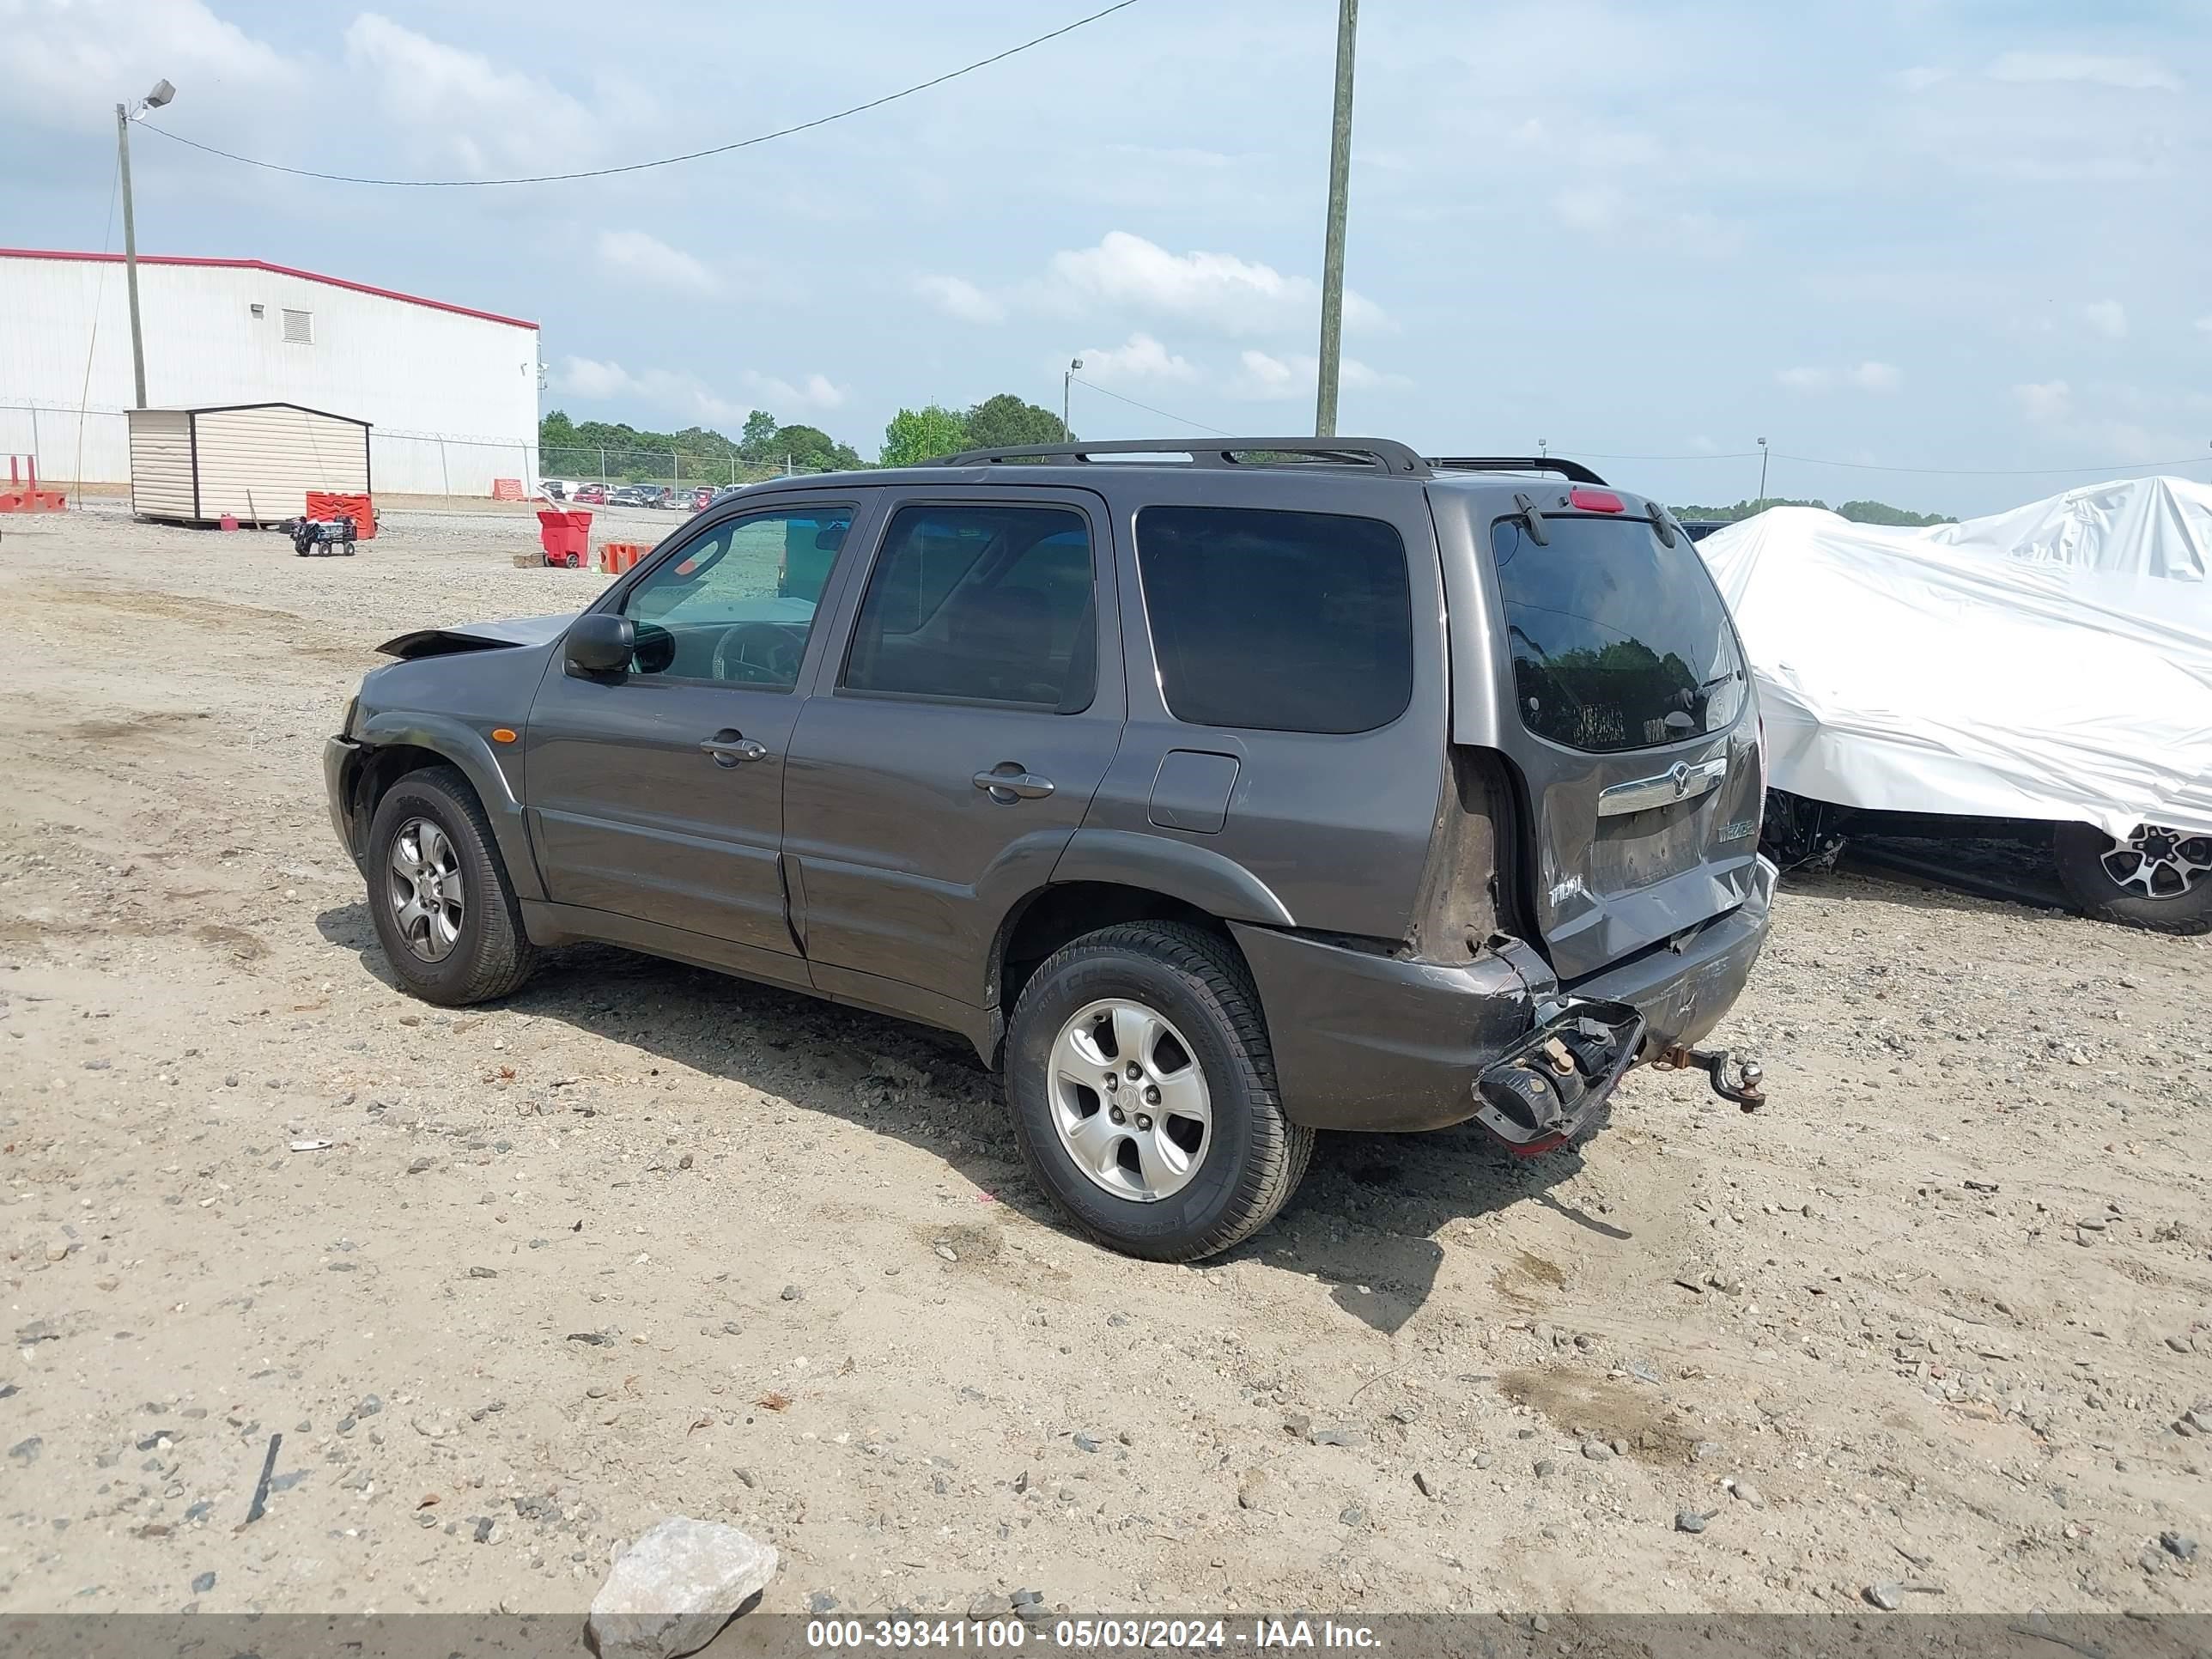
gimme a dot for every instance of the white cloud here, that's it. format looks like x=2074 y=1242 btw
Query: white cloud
x=1236 y=296
x=2044 y=400
x=64 y=60
x=462 y=109
x=683 y=394
x=1142 y=358
x=1869 y=376
x=634 y=253
x=815 y=392
x=2042 y=67
x=2108 y=317
x=1591 y=207
x=1263 y=378
x=956 y=296
x=2204 y=325
x=1920 y=78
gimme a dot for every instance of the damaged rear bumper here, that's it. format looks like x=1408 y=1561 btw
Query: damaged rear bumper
x=1555 y=1082
x=1371 y=1042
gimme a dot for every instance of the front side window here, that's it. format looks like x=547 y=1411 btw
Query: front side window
x=736 y=606
x=1281 y=622
x=1619 y=641
x=980 y=604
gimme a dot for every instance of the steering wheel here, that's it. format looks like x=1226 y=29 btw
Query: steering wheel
x=757 y=653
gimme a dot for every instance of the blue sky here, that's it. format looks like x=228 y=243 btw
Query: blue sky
x=1943 y=233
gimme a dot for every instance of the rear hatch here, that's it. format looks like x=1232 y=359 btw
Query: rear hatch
x=1620 y=697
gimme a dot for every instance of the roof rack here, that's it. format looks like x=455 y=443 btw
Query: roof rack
x=1574 y=471
x=1384 y=453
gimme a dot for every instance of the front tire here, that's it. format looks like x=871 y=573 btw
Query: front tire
x=1143 y=1092
x=2159 y=878
x=438 y=893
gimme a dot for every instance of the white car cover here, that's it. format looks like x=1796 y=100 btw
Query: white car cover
x=2052 y=662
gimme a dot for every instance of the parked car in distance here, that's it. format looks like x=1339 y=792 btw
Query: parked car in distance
x=554 y=490
x=1296 y=784
x=702 y=497
x=629 y=496
x=590 y=494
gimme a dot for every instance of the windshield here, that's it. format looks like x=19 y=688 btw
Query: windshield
x=1619 y=641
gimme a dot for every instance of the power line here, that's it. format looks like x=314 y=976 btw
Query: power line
x=1995 y=472
x=1702 y=455
x=1165 y=414
x=1870 y=466
x=662 y=161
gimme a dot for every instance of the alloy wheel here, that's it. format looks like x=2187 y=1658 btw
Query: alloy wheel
x=425 y=889
x=2159 y=863
x=1130 y=1100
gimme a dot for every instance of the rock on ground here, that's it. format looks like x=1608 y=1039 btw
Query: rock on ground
x=673 y=1588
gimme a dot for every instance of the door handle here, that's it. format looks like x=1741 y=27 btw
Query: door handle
x=732 y=748
x=1008 y=782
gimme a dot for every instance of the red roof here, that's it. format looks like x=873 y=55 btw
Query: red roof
x=274 y=270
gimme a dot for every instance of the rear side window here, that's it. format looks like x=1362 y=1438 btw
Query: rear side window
x=1619 y=641
x=980 y=604
x=1282 y=621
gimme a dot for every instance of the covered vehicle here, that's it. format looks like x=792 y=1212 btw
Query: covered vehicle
x=2053 y=664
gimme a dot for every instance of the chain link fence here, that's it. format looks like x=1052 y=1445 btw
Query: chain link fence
x=93 y=445
x=586 y=464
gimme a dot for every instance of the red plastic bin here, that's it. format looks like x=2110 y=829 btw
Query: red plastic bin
x=566 y=537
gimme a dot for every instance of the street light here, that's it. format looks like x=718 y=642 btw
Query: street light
x=1067 y=434
x=1762 y=471
x=124 y=115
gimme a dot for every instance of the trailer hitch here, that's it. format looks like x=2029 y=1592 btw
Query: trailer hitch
x=1715 y=1064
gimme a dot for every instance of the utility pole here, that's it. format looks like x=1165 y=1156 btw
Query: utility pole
x=161 y=93
x=1067 y=380
x=1762 y=471
x=1332 y=267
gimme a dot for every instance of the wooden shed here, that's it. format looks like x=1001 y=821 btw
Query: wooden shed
x=255 y=462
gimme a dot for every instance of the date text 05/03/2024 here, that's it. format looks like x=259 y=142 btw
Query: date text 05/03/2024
x=1090 y=1635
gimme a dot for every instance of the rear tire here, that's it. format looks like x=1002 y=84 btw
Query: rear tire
x=1249 y=1157
x=2086 y=856
x=432 y=819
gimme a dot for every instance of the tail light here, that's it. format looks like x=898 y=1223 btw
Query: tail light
x=1594 y=501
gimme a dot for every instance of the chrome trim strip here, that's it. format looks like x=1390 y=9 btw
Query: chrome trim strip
x=1679 y=782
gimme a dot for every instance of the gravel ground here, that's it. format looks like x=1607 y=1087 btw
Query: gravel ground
x=644 y=1241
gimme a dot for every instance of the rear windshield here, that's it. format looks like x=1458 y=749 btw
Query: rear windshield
x=1619 y=641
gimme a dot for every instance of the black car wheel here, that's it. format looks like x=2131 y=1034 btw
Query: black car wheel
x=439 y=894
x=2159 y=877
x=1143 y=1092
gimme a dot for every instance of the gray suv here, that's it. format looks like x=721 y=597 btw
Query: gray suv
x=1216 y=795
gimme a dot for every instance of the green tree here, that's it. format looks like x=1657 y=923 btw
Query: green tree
x=757 y=439
x=921 y=434
x=1005 y=421
x=810 y=449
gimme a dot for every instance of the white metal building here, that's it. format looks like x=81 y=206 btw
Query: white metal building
x=450 y=392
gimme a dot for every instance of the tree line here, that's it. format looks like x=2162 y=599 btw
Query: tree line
x=1857 y=511
x=765 y=447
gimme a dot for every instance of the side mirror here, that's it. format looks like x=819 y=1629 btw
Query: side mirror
x=599 y=643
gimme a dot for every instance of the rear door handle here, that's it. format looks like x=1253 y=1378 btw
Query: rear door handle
x=1007 y=783
x=732 y=749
